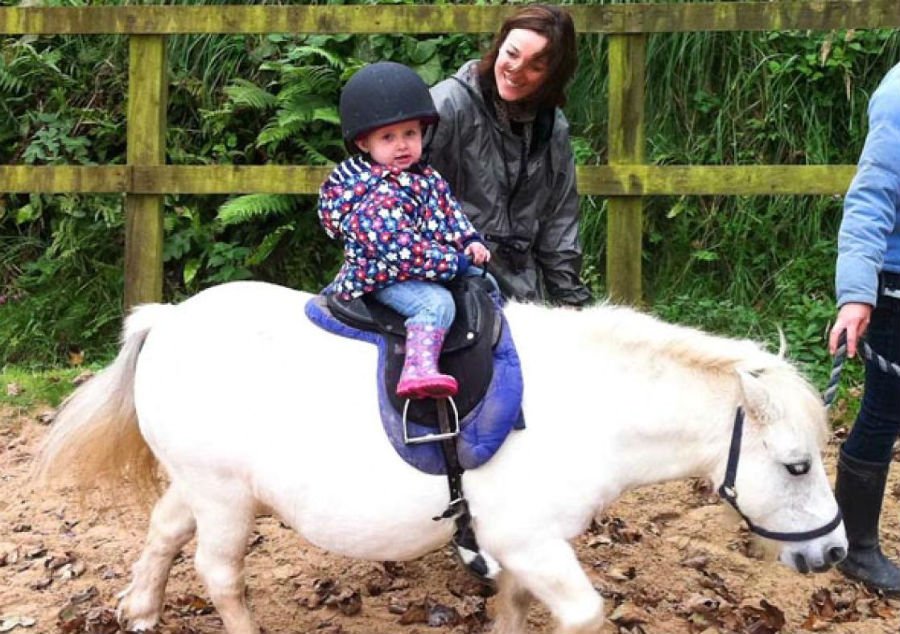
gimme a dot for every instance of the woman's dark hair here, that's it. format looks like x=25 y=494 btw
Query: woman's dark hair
x=560 y=54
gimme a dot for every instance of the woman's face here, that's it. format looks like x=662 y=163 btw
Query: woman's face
x=519 y=70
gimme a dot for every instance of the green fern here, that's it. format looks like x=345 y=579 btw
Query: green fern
x=306 y=51
x=277 y=131
x=316 y=80
x=314 y=151
x=243 y=93
x=247 y=208
x=306 y=92
x=9 y=83
x=265 y=248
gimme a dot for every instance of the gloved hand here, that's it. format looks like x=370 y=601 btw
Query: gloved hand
x=462 y=263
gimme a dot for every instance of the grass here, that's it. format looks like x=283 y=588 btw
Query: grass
x=27 y=390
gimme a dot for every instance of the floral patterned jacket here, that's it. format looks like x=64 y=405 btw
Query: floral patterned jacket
x=395 y=225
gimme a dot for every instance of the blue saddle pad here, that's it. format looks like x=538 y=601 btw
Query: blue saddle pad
x=482 y=430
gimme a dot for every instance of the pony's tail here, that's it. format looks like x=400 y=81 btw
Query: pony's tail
x=95 y=443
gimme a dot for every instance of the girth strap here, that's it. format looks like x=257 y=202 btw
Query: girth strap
x=463 y=538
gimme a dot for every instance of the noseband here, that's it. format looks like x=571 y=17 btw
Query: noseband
x=729 y=494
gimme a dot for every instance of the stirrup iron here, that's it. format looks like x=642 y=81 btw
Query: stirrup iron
x=453 y=431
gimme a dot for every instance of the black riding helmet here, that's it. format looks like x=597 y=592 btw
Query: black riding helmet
x=381 y=94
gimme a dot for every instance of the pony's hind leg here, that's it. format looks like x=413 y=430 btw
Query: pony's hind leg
x=512 y=606
x=223 y=526
x=550 y=571
x=171 y=527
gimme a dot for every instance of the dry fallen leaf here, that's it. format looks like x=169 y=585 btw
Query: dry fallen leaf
x=84 y=596
x=621 y=575
x=766 y=619
x=58 y=560
x=414 y=613
x=191 y=605
x=822 y=605
x=697 y=562
x=8 y=623
x=440 y=615
x=629 y=614
x=347 y=601
x=81 y=378
x=41 y=584
x=698 y=603
x=101 y=621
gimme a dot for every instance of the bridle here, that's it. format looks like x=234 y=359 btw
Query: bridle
x=728 y=493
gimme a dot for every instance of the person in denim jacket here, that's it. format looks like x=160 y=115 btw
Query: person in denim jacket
x=402 y=230
x=868 y=298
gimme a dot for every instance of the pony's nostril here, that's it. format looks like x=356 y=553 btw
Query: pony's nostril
x=836 y=554
x=800 y=564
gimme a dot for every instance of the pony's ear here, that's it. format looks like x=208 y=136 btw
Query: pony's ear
x=782 y=344
x=756 y=397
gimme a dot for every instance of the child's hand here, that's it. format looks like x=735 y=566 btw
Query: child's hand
x=478 y=253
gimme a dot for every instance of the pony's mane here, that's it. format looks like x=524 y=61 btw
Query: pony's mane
x=643 y=334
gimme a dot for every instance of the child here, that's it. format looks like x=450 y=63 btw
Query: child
x=403 y=231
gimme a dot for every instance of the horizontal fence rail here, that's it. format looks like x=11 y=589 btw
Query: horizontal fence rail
x=626 y=180
x=609 y=180
x=422 y=19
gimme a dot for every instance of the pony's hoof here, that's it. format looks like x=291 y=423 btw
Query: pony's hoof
x=132 y=619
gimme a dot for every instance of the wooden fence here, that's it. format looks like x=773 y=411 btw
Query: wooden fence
x=626 y=180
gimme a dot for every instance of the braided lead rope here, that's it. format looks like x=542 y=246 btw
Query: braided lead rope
x=883 y=364
x=840 y=356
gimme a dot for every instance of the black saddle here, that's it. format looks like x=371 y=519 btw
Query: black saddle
x=467 y=353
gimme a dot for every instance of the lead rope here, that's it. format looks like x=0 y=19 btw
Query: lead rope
x=837 y=366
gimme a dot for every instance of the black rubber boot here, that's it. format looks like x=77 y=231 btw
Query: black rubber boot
x=859 y=491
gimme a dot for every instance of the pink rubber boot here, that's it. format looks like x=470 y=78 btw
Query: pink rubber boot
x=420 y=377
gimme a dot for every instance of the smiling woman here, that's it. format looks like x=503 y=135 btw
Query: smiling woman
x=502 y=143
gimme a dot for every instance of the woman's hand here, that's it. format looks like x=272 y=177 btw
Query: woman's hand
x=854 y=318
x=478 y=253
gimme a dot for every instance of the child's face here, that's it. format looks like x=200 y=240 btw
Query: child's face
x=396 y=145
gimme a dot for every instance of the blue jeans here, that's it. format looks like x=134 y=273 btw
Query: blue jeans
x=425 y=303
x=878 y=423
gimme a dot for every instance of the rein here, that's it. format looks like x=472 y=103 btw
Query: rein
x=840 y=356
x=728 y=492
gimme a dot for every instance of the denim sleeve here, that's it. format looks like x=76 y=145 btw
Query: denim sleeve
x=870 y=207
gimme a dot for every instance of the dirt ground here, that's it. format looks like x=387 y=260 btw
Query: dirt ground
x=666 y=558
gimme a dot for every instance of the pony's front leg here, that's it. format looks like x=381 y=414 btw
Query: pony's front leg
x=551 y=572
x=223 y=527
x=512 y=606
x=171 y=526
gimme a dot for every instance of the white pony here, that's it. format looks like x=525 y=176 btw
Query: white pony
x=249 y=408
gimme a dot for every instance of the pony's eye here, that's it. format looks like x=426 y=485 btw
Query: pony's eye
x=797 y=468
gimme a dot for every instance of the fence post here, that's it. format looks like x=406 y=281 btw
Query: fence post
x=147 y=101
x=627 y=60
